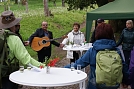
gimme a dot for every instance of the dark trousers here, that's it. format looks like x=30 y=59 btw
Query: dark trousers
x=7 y=84
x=75 y=57
x=42 y=56
x=127 y=56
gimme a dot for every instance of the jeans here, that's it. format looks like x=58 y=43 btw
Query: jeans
x=127 y=56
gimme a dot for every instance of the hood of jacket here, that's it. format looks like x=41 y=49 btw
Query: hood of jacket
x=104 y=44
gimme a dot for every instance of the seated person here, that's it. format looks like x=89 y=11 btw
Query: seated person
x=74 y=37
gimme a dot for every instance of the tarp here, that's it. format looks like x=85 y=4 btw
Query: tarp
x=118 y=9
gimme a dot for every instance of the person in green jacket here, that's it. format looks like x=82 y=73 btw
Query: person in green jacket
x=16 y=48
x=127 y=40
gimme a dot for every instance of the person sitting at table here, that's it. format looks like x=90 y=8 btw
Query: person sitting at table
x=74 y=37
x=16 y=51
x=104 y=40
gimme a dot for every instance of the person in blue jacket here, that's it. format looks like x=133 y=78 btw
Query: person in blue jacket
x=104 y=40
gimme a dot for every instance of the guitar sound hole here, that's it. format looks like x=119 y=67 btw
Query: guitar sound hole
x=43 y=41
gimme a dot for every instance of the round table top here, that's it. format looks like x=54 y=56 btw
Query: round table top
x=77 y=47
x=57 y=77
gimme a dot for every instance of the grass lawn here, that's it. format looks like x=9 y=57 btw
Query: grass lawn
x=59 y=24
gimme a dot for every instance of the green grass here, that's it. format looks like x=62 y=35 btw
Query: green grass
x=59 y=24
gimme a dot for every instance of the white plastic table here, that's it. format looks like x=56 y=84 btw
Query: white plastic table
x=78 y=48
x=81 y=49
x=57 y=77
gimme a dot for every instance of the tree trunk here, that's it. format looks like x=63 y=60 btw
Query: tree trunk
x=63 y=3
x=46 y=9
x=16 y=1
x=5 y=8
x=54 y=2
x=6 y=5
x=118 y=25
x=26 y=7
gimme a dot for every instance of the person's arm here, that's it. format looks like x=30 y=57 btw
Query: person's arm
x=35 y=34
x=84 y=60
x=53 y=42
x=93 y=37
x=20 y=52
x=66 y=40
x=120 y=39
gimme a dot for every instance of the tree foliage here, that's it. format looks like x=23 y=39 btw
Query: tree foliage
x=6 y=5
x=77 y=4
x=81 y=4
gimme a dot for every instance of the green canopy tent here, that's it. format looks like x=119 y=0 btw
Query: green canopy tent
x=118 y=9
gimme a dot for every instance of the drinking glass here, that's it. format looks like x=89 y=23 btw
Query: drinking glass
x=72 y=66
x=78 y=69
x=29 y=68
x=21 y=69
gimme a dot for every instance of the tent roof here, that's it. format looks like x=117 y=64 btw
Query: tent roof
x=118 y=9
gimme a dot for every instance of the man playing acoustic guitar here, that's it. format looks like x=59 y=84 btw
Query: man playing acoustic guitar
x=41 y=41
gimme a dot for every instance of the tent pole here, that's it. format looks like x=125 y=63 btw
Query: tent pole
x=88 y=30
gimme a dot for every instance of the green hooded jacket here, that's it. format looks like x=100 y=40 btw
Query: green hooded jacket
x=17 y=50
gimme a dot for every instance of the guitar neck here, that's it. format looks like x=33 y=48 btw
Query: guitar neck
x=53 y=39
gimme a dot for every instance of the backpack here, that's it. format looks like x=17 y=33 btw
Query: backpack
x=108 y=69
x=5 y=64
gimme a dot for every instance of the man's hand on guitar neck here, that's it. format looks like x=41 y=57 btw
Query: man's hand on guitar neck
x=61 y=45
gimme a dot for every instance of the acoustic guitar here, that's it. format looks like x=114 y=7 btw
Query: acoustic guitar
x=38 y=43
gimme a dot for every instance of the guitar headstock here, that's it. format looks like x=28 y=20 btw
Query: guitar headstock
x=65 y=36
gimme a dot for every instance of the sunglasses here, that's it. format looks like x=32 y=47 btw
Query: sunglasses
x=17 y=25
x=45 y=25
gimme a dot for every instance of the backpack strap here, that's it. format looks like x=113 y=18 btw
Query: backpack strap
x=2 y=60
x=7 y=34
x=4 y=53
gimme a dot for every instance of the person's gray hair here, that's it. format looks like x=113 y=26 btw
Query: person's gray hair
x=131 y=22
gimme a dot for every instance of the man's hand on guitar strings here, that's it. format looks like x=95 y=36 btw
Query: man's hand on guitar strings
x=26 y=43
